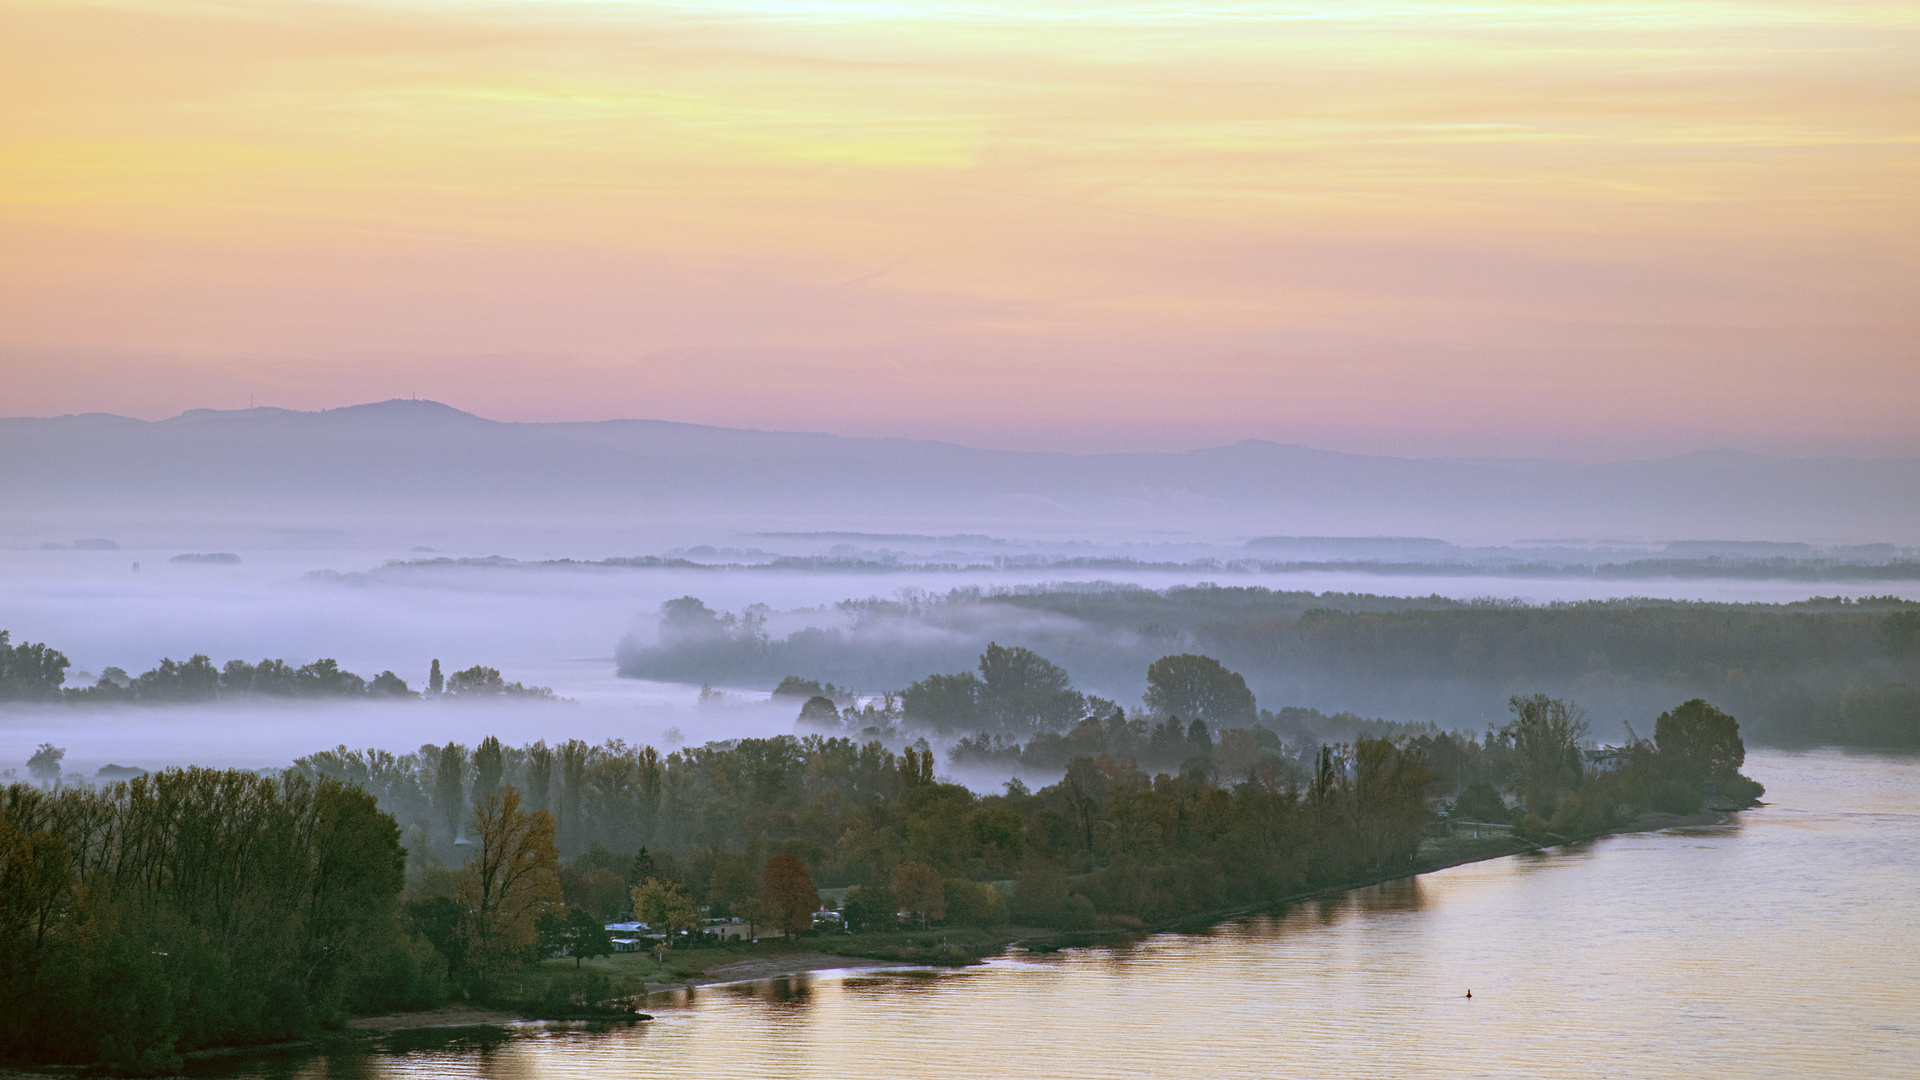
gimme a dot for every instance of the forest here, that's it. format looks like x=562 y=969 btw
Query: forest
x=1830 y=670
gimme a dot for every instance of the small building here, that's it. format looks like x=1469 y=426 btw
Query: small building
x=1605 y=759
x=739 y=930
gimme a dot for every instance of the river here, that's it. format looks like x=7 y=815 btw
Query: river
x=1785 y=944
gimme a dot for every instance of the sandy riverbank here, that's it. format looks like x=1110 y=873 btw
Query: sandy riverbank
x=753 y=969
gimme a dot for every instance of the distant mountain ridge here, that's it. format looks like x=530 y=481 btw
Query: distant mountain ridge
x=426 y=458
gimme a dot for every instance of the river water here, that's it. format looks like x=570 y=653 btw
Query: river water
x=1786 y=944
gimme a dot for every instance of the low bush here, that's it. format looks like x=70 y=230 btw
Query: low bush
x=1675 y=797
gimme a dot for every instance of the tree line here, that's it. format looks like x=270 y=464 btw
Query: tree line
x=1830 y=669
x=194 y=908
x=38 y=672
x=708 y=818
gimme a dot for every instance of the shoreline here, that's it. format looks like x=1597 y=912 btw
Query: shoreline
x=1648 y=822
x=1028 y=939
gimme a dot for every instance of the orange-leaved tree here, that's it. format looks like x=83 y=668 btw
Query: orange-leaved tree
x=918 y=889
x=509 y=882
x=787 y=890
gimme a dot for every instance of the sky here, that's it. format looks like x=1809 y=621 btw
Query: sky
x=1584 y=230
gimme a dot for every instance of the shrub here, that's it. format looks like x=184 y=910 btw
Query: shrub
x=1480 y=802
x=1675 y=797
x=973 y=904
x=1076 y=913
x=1532 y=828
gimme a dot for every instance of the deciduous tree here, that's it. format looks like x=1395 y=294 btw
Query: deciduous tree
x=1545 y=734
x=509 y=882
x=1698 y=743
x=1201 y=688
x=1022 y=691
x=918 y=889
x=45 y=762
x=787 y=889
x=666 y=909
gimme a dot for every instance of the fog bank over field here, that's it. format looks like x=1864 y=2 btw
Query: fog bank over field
x=388 y=536
x=559 y=625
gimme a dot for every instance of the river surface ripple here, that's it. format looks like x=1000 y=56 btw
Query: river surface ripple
x=1786 y=944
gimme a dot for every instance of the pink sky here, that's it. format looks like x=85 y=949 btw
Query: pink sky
x=1440 y=229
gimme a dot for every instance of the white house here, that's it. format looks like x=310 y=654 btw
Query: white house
x=1605 y=759
x=736 y=930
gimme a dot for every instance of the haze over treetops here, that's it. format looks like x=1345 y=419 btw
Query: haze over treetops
x=1575 y=230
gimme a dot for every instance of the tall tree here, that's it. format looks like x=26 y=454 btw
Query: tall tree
x=917 y=888
x=509 y=882
x=951 y=701
x=450 y=788
x=1201 y=688
x=539 y=775
x=572 y=756
x=45 y=762
x=1022 y=691
x=666 y=909
x=489 y=762
x=787 y=889
x=1544 y=733
x=1698 y=743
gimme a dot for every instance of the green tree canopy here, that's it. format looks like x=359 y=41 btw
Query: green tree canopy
x=477 y=680
x=30 y=672
x=488 y=764
x=1544 y=734
x=795 y=686
x=1021 y=691
x=666 y=909
x=45 y=762
x=951 y=701
x=1199 y=688
x=575 y=932
x=1698 y=743
x=819 y=711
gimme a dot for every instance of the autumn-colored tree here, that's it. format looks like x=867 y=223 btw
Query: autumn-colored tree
x=787 y=889
x=509 y=882
x=666 y=909
x=917 y=887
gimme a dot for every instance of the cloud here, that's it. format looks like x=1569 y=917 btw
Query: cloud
x=1339 y=224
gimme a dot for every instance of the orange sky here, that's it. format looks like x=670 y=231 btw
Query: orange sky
x=1590 y=230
